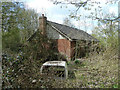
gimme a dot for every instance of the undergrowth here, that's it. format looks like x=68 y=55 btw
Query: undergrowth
x=96 y=71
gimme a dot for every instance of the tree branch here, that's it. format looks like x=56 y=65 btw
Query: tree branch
x=108 y=19
x=78 y=4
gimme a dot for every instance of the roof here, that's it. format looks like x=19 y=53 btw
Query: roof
x=68 y=32
x=72 y=33
x=55 y=63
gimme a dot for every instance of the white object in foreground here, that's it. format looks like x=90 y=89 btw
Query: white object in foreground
x=58 y=69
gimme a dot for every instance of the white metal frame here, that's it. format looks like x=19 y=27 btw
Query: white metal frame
x=56 y=63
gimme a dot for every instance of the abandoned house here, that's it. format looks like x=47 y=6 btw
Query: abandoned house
x=65 y=36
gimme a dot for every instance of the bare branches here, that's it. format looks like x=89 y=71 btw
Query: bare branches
x=78 y=4
x=108 y=19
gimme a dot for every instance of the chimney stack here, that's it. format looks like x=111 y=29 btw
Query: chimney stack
x=43 y=24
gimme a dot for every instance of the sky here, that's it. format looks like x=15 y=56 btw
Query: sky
x=57 y=14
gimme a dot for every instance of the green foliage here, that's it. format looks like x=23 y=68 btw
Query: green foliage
x=77 y=62
x=18 y=24
x=23 y=73
x=39 y=48
x=23 y=70
x=108 y=35
x=10 y=30
x=28 y=23
x=115 y=86
x=71 y=74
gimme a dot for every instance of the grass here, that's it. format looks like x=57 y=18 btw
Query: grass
x=96 y=71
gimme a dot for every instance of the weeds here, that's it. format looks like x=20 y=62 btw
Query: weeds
x=96 y=71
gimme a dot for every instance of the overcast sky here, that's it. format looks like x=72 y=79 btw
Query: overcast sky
x=57 y=14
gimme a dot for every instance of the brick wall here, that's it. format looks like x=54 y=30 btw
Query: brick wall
x=66 y=47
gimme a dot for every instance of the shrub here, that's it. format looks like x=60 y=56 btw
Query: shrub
x=77 y=62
